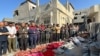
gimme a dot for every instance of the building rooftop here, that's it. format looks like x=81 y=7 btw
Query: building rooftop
x=28 y=1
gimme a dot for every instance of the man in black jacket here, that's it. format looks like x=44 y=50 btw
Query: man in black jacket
x=3 y=38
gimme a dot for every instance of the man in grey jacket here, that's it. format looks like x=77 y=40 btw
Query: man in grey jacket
x=23 y=35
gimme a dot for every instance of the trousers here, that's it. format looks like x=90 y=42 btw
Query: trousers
x=54 y=37
x=58 y=36
x=33 y=40
x=11 y=44
x=23 y=43
x=3 y=47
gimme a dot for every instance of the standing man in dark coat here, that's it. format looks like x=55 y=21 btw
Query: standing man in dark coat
x=3 y=39
x=42 y=33
x=48 y=33
x=54 y=32
x=63 y=32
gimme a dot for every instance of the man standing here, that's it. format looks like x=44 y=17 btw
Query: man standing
x=11 y=37
x=63 y=32
x=54 y=32
x=32 y=35
x=3 y=39
x=23 y=31
x=42 y=33
x=48 y=33
x=58 y=32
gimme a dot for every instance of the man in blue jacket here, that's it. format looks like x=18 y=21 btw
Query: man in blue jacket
x=33 y=32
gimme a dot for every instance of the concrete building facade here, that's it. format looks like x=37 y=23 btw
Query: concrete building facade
x=79 y=16
x=92 y=14
x=50 y=13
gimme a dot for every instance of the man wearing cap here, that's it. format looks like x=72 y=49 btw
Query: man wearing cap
x=3 y=39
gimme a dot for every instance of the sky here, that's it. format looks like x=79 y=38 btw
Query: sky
x=8 y=6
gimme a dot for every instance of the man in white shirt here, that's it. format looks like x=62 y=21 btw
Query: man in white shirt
x=11 y=37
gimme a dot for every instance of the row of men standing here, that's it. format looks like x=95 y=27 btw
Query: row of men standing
x=15 y=35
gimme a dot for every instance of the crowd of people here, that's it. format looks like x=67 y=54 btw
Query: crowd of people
x=21 y=36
